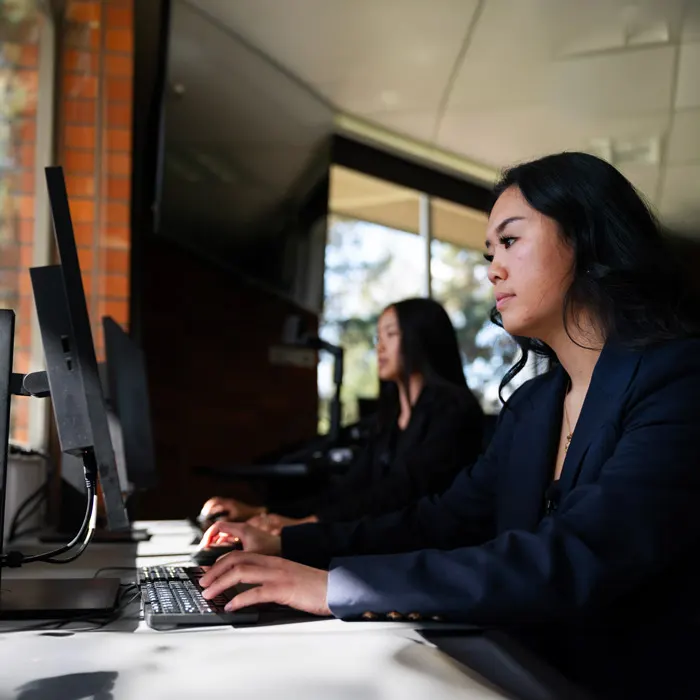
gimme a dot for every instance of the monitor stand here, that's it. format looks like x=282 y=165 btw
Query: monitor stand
x=59 y=598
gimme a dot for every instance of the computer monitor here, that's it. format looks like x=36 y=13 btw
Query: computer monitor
x=127 y=384
x=51 y=598
x=83 y=351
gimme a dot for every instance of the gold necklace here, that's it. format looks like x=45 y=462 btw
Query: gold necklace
x=568 y=427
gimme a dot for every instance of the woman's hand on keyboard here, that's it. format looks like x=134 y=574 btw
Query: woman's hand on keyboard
x=278 y=581
x=252 y=539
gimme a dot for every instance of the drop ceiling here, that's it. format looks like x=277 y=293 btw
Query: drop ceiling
x=480 y=84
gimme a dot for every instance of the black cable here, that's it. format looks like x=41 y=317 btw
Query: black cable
x=15 y=558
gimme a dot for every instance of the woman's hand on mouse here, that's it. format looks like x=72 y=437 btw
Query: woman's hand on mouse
x=279 y=581
x=233 y=509
x=252 y=539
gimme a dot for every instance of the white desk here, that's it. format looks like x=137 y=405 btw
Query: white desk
x=324 y=659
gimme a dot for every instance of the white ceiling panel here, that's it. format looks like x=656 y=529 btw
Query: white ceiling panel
x=680 y=204
x=688 y=89
x=611 y=84
x=356 y=52
x=498 y=137
x=534 y=76
x=684 y=141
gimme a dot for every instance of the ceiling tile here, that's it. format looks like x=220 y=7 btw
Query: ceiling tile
x=358 y=53
x=688 y=87
x=684 y=140
x=611 y=84
x=680 y=203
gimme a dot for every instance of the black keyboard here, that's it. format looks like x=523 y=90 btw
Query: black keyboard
x=172 y=597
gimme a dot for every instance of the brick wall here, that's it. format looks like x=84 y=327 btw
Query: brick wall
x=94 y=147
x=19 y=77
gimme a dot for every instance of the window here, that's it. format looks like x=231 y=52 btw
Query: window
x=375 y=255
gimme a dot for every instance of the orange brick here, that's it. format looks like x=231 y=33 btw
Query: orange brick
x=78 y=85
x=120 y=40
x=28 y=56
x=84 y=234
x=116 y=188
x=118 y=163
x=83 y=11
x=24 y=283
x=21 y=364
x=24 y=157
x=82 y=137
x=114 y=286
x=116 y=261
x=119 y=89
x=120 y=17
x=27 y=131
x=24 y=206
x=118 y=140
x=80 y=111
x=20 y=407
x=24 y=330
x=25 y=256
x=118 y=115
x=116 y=237
x=80 y=186
x=86 y=259
x=81 y=62
x=79 y=161
x=25 y=231
x=87 y=282
x=117 y=213
x=119 y=65
x=82 y=210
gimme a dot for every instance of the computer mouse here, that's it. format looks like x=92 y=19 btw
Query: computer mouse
x=207 y=556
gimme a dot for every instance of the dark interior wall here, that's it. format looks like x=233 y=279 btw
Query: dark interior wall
x=215 y=397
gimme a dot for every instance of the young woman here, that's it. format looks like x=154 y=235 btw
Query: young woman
x=430 y=425
x=579 y=528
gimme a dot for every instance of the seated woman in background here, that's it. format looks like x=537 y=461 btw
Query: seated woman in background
x=429 y=426
x=579 y=528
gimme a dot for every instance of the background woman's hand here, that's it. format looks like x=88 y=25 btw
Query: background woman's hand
x=273 y=523
x=234 y=510
x=252 y=539
x=278 y=581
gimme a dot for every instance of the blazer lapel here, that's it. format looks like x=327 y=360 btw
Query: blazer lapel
x=532 y=454
x=611 y=377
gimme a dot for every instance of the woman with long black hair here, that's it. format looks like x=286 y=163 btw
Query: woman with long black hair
x=429 y=427
x=579 y=528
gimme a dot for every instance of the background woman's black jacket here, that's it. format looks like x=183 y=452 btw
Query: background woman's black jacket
x=397 y=467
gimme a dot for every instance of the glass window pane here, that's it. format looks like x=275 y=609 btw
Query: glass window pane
x=367 y=268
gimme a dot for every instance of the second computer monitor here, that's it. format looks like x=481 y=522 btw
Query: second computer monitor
x=128 y=392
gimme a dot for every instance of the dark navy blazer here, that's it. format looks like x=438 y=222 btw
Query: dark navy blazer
x=607 y=586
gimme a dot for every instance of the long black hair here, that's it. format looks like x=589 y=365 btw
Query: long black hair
x=428 y=346
x=624 y=271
